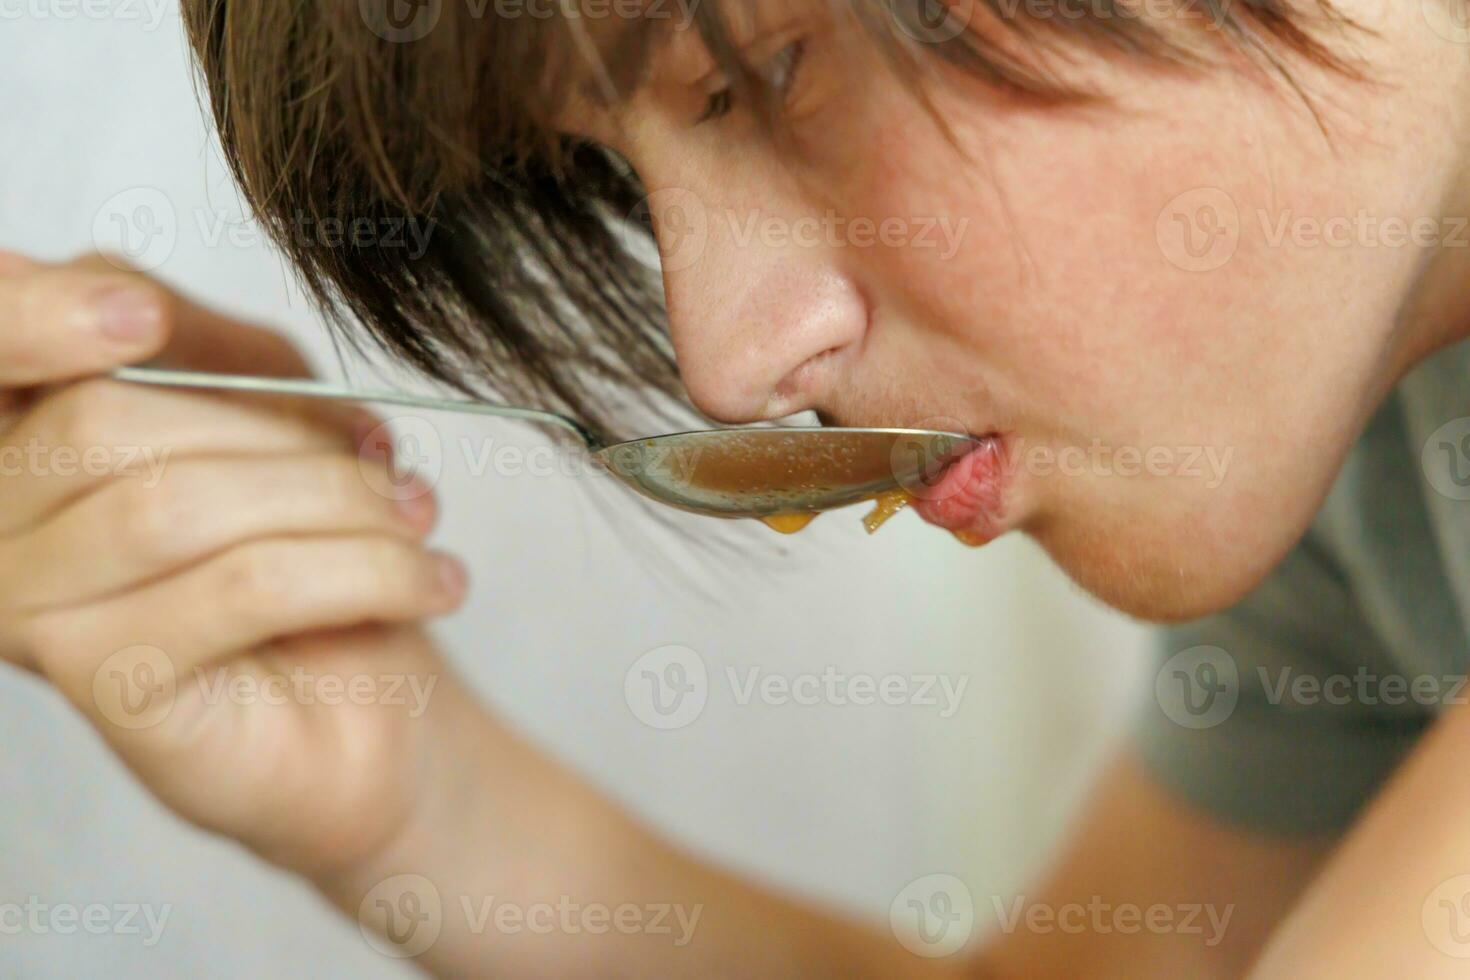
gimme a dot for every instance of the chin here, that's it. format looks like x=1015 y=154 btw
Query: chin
x=1165 y=571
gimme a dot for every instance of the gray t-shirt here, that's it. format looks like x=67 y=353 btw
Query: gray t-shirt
x=1289 y=710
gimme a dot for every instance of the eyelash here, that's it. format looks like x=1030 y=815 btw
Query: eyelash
x=722 y=103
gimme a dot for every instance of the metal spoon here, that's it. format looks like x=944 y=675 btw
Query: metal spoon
x=738 y=472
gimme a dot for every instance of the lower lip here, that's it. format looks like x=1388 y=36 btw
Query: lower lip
x=969 y=496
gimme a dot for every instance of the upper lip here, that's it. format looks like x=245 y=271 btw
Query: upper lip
x=832 y=420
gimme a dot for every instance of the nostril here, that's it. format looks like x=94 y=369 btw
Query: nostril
x=801 y=384
x=800 y=380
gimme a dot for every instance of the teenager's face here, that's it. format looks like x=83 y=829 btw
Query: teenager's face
x=1129 y=297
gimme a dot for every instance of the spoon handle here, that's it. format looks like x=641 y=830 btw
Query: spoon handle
x=162 y=378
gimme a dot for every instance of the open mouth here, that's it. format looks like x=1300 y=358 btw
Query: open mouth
x=967 y=497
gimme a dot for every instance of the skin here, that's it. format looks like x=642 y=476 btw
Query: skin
x=1059 y=320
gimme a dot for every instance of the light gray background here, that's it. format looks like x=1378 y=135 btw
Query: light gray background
x=845 y=803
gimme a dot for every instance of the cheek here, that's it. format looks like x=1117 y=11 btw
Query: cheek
x=1118 y=283
x=1044 y=278
x=1112 y=277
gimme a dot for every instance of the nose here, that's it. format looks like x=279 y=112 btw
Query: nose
x=764 y=320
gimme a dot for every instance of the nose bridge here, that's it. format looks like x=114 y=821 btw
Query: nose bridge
x=760 y=307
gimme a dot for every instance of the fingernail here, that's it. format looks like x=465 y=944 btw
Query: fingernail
x=452 y=575
x=129 y=315
x=416 y=505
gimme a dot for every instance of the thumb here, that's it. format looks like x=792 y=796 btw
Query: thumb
x=58 y=323
x=204 y=339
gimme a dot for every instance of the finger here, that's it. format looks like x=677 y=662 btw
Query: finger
x=131 y=532
x=238 y=601
x=95 y=431
x=60 y=323
x=207 y=340
x=57 y=323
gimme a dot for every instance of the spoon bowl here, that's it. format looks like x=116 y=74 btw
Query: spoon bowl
x=763 y=472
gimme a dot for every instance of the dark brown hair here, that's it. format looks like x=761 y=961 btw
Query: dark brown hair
x=330 y=110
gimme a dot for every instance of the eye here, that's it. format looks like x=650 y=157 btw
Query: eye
x=718 y=106
x=780 y=74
